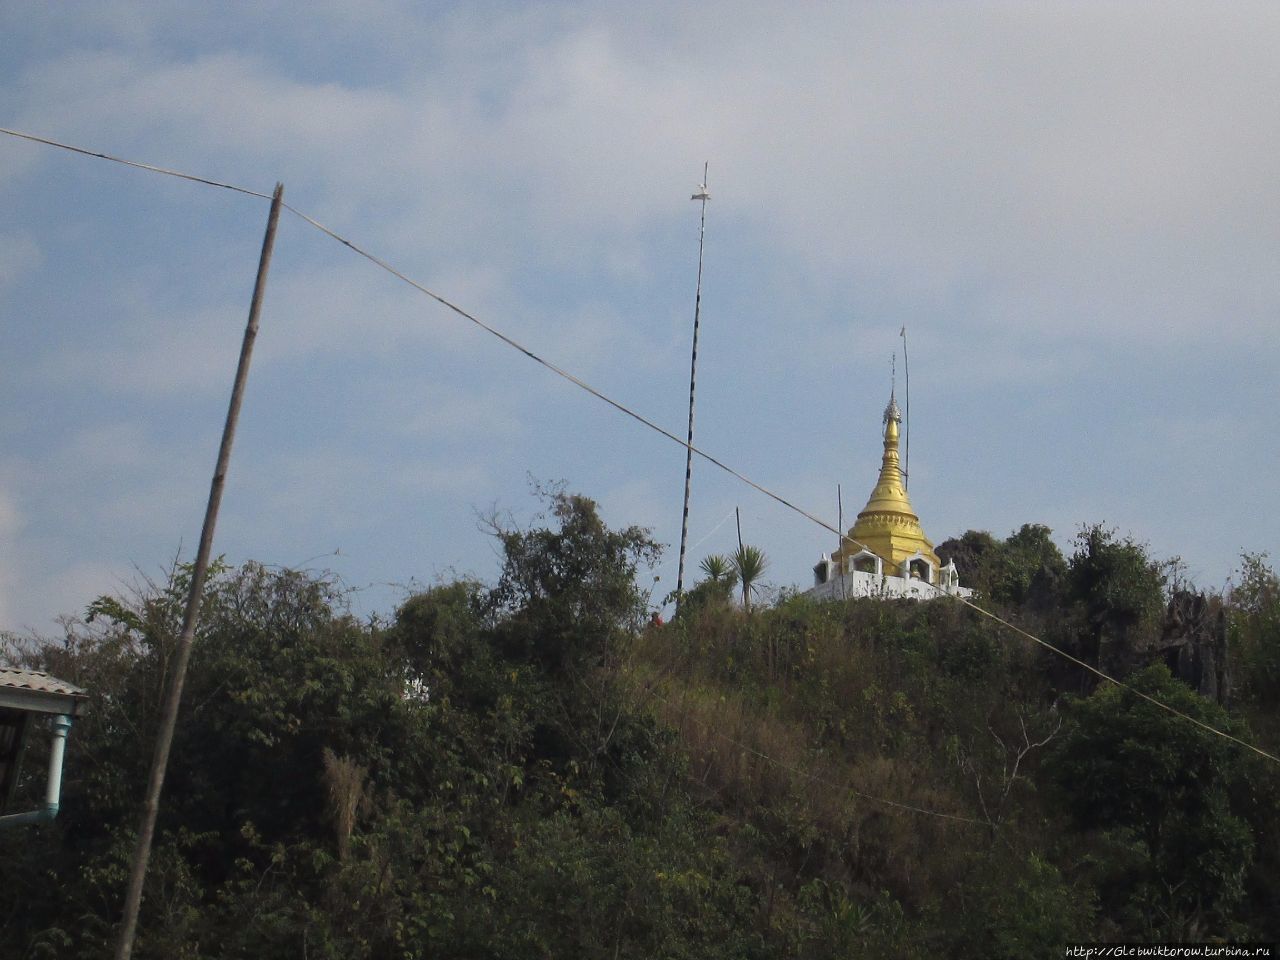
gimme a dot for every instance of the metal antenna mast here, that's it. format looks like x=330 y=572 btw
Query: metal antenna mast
x=906 y=427
x=703 y=196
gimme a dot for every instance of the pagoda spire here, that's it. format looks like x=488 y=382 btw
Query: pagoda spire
x=889 y=495
x=887 y=525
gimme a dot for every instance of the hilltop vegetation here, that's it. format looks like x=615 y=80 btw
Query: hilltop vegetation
x=532 y=769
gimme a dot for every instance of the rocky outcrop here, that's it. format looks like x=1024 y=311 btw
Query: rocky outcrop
x=1193 y=644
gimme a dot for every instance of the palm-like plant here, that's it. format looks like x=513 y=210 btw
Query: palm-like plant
x=748 y=564
x=717 y=568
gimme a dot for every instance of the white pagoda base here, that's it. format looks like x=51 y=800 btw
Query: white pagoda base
x=857 y=583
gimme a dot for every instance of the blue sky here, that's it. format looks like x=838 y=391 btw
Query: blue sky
x=1073 y=207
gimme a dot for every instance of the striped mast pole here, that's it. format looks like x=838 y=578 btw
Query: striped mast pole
x=703 y=196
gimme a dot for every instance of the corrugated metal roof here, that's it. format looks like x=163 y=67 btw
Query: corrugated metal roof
x=38 y=682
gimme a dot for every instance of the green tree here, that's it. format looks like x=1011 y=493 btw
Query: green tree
x=1027 y=568
x=717 y=568
x=1254 y=618
x=714 y=592
x=1031 y=568
x=523 y=770
x=280 y=673
x=749 y=564
x=1119 y=591
x=1013 y=908
x=567 y=596
x=1161 y=798
x=977 y=557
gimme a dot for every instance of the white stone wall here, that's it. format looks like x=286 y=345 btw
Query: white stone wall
x=859 y=584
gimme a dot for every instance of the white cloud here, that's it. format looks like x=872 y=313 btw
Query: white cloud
x=192 y=353
x=1012 y=152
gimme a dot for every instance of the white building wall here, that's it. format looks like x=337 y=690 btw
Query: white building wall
x=858 y=584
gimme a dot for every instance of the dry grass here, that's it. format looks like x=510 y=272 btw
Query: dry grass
x=758 y=766
x=344 y=783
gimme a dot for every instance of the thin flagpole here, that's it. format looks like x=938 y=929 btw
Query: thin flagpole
x=906 y=427
x=840 y=524
x=703 y=196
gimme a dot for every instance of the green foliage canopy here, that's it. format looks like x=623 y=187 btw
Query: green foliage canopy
x=1164 y=799
x=532 y=769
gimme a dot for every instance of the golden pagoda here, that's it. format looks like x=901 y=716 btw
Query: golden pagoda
x=888 y=529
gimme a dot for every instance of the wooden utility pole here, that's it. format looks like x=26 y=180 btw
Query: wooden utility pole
x=173 y=695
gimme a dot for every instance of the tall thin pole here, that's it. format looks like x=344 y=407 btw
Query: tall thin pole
x=173 y=695
x=840 y=511
x=703 y=196
x=906 y=427
x=840 y=525
x=746 y=599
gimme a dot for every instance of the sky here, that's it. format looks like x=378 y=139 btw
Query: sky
x=1073 y=208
